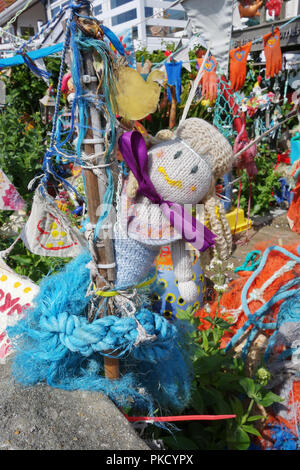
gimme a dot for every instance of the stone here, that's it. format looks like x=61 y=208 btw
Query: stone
x=45 y=418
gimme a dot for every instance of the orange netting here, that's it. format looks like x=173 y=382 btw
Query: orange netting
x=231 y=300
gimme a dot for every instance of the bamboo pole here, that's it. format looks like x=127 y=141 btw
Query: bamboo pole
x=95 y=190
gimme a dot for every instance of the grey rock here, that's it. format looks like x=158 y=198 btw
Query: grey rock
x=45 y=418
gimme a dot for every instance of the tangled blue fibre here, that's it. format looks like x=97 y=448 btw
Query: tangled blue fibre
x=56 y=344
x=284 y=439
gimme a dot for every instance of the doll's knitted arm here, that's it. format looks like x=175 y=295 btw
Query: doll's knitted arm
x=183 y=271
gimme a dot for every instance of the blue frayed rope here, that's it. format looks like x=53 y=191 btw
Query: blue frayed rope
x=55 y=343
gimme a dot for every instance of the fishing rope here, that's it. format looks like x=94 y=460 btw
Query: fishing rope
x=253 y=257
x=56 y=146
x=108 y=86
x=284 y=293
x=15 y=39
x=47 y=166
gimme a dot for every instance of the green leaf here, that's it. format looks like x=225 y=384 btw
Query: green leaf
x=269 y=399
x=197 y=402
x=209 y=363
x=237 y=408
x=255 y=418
x=21 y=259
x=251 y=430
x=238 y=439
x=204 y=340
x=185 y=314
x=249 y=386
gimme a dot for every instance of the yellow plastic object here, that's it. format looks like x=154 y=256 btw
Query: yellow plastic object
x=136 y=98
x=242 y=222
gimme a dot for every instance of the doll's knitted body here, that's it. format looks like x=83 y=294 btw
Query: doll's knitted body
x=138 y=243
x=183 y=170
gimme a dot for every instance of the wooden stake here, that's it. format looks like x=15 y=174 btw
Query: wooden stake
x=95 y=190
x=172 y=115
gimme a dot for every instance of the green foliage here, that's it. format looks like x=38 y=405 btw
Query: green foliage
x=23 y=143
x=21 y=150
x=264 y=185
x=220 y=386
x=34 y=266
x=24 y=89
x=155 y=57
x=22 y=133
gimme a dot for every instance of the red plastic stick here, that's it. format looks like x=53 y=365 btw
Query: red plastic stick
x=178 y=418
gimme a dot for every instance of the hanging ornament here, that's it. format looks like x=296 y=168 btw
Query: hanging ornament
x=209 y=78
x=48 y=231
x=273 y=53
x=47 y=106
x=135 y=97
x=10 y=199
x=16 y=295
x=238 y=66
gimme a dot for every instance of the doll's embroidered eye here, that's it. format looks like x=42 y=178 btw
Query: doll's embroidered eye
x=194 y=169
x=177 y=154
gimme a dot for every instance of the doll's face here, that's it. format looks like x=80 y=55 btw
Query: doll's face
x=178 y=174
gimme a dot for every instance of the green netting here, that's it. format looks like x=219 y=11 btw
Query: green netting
x=224 y=113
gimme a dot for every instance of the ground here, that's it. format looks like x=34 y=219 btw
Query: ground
x=272 y=229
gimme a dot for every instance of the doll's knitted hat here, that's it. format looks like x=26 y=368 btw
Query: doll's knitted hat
x=208 y=142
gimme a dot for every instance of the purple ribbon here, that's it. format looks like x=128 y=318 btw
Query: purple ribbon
x=134 y=151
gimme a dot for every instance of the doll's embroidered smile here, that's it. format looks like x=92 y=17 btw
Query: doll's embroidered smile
x=176 y=183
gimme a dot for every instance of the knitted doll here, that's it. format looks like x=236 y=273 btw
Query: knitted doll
x=182 y=170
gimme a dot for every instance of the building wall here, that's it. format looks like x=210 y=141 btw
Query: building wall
x=31 y=17
x=123 y=14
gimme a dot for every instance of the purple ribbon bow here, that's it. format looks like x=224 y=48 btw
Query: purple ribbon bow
x=134 y=151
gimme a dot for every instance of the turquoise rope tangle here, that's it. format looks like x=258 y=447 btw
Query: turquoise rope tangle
x=254 y=258
x=289 y=310
x=55 y=344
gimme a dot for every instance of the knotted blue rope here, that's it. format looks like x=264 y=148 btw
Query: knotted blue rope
x=110 y=333
x=55 y=343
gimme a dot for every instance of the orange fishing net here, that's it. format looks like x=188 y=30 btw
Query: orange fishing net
x=280 y=430
x=260 y=290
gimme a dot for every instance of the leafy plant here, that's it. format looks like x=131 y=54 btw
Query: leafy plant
x=21 y=150
x=220 y=386
x=23 y=143
x=264 y=185
x=24 y=89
